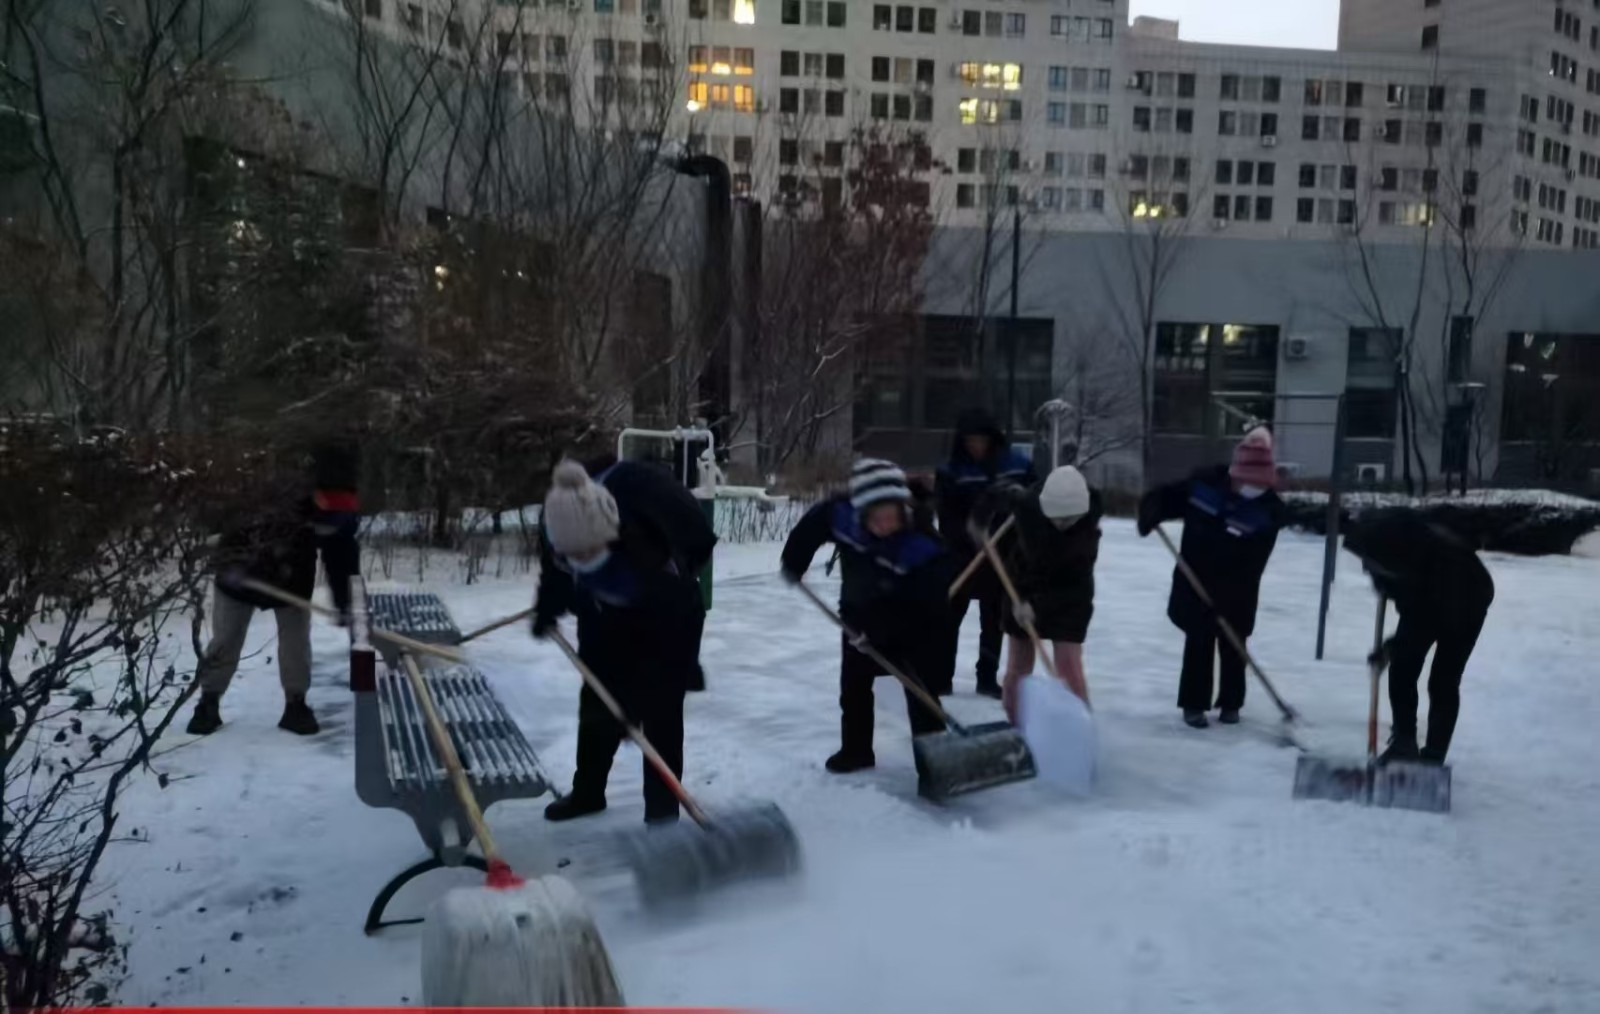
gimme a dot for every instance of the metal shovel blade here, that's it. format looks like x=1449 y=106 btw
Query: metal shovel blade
x=678 y=861
x=1397 y=785
x=951 y=764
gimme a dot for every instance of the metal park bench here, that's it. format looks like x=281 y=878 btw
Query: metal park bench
x=396 y=764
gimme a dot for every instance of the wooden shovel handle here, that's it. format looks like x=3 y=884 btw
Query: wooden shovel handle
x=496 y=625
x=656 y=760
x=452 y=761
x=1377 y=675
x=420 y=647
x=1016 y=604
x=977 y=561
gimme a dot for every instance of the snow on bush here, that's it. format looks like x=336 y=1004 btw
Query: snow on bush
x=1529 y=522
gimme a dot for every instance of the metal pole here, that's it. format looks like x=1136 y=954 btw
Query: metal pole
x=1011 y=343
x=1330 y=549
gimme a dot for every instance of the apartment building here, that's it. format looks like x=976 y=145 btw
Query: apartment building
x=1319 y=192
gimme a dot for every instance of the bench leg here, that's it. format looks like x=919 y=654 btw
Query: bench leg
x=375 y=913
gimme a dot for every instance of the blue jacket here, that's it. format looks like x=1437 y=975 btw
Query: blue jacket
x=963 y=479
x=1227 y=540
x=895 y=590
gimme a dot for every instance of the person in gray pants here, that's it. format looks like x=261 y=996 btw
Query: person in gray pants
x=281 y=547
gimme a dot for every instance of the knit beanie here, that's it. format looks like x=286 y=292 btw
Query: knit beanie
x=1064 y=496
x=580 y=515
x=874 y=480
x=1253 y=464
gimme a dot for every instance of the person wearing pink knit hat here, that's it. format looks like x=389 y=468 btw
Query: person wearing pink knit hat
x=1231 y=516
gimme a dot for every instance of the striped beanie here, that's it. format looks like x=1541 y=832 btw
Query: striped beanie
x=874 y=480
x=1253 y=463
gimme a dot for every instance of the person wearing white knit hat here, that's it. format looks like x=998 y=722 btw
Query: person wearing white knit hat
x=621 y=551
x=1050 y=556
x=895 y=576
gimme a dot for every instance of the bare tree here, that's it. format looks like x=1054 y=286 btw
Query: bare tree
x=840 y=279
x=1155 y=199
x=1099 y=395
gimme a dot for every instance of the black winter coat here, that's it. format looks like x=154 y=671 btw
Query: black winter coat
x=281 y=549
x=1227 y=540
x=895 y=591
x=1052 y=568
x=1434 y=579
x=640 y=617
x=962 y=480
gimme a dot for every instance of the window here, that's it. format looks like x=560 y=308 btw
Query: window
x=788 y=100
x=1435 y=133
x=1347 y=177
x=1245 y=173
x=905 y=19
x=882 y=18
x=555 y=47
x=1141 y=119
x=1458 y=368
x=1102 y=79
x=1313 y=93
x=1227 y=123
x=605 y=51
x=966 y=160
x=835 y=66
x=791 y=12
x=1185 y=86
x=1436 y=98
x=1220 y=206
x=1263 y=209
x=1355 y=94
x=836 y=14
x=1057 y=80
x=1469 y=183
x=1310 y=128
x=1352 y=129
x=1016 y=25
x=1477 y=100
x=1230 y=88
x=964 y=195
x=1224 y=172
x=1308 y=176
x=927 y=20
x=788 y=62
x=1474 y=135
x=1269 y=124
x=971 y=22
x=833 y=103
x=1430 y=37
x=993 y=24
x=880 y=68
x=1305 y=210
x=1056 y=113
x=814 y=13
x=1391 y=131
x=1347 y=212
x=1163 y=121
x=1097 y=167
x=1185 y=121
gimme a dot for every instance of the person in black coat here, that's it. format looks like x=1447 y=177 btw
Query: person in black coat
x=1050 y=557
x=280 y=546
x=980 y=456
x=1231 y=518
x=621 y=551
x=896 y=579
x=1442 y=592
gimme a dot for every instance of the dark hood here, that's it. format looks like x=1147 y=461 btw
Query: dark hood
x=976 y=422
x=1398 y=541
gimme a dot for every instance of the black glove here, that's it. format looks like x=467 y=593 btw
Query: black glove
x=1149 y=516
x=543 y=624
x=1381 y=655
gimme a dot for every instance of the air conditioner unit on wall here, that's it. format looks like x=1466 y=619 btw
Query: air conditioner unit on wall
x=1269 y=140
x=652 y=20
x=1372 y=473
x=1297 y=347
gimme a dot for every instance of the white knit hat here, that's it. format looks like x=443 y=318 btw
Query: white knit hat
x=580 y=515
x=874 y=480
x=1065 y=495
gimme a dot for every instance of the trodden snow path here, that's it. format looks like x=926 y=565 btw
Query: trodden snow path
x=1189 y=881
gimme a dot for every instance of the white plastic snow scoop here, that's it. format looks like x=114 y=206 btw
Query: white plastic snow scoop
x=1060 y=732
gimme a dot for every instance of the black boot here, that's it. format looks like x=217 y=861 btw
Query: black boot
x=989 y=687
x=207 y=715
x=1402 y=747
x=846 y=761
x=575 y=805
x=1431 y=755
x=1228 y=716
x=1195 y=719
x=297 y=717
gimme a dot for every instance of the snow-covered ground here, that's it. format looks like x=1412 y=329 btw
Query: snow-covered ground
x=1191 y=880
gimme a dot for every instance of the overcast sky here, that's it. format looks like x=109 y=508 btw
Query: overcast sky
x=1310 y=24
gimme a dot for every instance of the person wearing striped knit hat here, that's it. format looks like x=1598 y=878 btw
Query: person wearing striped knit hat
x=895 y=576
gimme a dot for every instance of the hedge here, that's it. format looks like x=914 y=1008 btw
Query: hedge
x=1526 y=522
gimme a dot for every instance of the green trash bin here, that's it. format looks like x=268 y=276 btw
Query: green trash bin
x=709 y=505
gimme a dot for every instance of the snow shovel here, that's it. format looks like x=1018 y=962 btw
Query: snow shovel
x=963 y=758
x=1396 y=785
x=672 y=863
x=977 y=561
x=399 y=640
x=1289 y=714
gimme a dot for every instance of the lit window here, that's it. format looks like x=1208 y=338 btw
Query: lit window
x=719 y=95
x=744 y=62
x=970 y=73
x=697 y=96
x=744 y=12
x=969 y=110
x=744 y=98
x=697 y=59
x=1013 y=76
x=721 y=61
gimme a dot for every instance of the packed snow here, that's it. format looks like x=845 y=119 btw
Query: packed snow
x=1188 y=880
